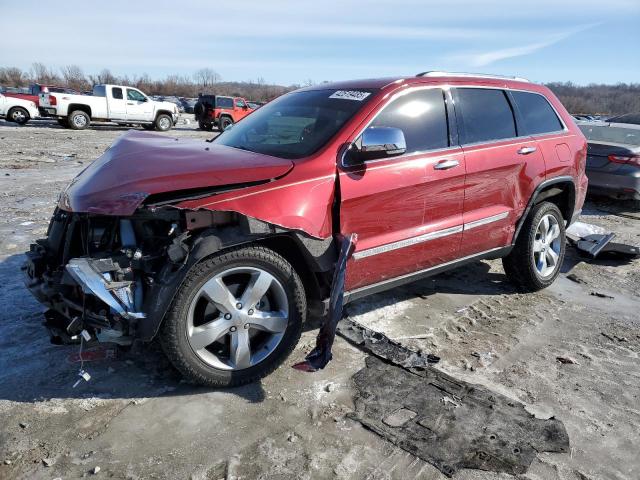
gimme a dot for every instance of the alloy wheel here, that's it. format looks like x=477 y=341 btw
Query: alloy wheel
x=237 y=318
x=547 y=246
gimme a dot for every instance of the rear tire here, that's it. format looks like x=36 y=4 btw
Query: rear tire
x=217 y=360
x=163 y=122
x=536 y=259
x=78 y=120
x=18 y=115
x=225 y=122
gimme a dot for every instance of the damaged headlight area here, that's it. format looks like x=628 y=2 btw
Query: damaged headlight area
x=98 y=272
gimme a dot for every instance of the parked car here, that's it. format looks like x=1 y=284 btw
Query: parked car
x=188 y=104
x=222 y=249
x=219 y=111
x=32 y=93
x=17 y=110
x=116 y=103
x=613 y=159
x=633 y=118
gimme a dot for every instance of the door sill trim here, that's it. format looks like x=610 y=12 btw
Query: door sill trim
x=367 y=290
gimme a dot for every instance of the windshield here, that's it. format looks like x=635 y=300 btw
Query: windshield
x=597 y=133
x=295 y=125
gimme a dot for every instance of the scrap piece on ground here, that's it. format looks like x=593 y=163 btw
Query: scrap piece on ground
x=321 y=355
x=474 y=428
x=383 y=347
x=596 y=241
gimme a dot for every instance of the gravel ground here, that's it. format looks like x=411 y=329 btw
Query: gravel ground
x=135 y=419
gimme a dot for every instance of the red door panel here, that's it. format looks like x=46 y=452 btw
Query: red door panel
x=500 y=178
x=407 y=215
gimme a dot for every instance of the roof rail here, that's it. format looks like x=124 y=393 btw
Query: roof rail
x=436 y=73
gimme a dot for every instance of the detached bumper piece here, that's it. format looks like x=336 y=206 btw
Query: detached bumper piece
x=94 y=276
x=597 y=242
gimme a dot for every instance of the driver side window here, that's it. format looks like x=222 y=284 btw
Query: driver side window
x=422 y=117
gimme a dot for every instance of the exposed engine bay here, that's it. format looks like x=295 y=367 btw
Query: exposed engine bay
x=116 y=276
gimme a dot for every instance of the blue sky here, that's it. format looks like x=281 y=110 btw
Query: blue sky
x=290 y=42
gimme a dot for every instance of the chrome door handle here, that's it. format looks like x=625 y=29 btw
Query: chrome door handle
x=129 y=103
x=526 y=150
x=446 y=164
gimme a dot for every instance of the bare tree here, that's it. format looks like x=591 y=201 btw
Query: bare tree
x=105 y=76
x=206 y=77
x=13 y=77
x=40 y=73
x=74 y=77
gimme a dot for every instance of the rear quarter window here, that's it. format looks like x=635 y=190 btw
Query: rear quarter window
x=486 y=115
x=537 y=114
x=224 y=102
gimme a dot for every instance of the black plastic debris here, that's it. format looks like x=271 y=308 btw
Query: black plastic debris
x=597 y=242
x=320 y=356
x=383 y=347
x=450 y=423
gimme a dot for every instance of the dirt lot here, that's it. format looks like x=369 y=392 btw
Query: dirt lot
x=135 y=418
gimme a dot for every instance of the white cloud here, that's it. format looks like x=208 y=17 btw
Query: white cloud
x=487 y=58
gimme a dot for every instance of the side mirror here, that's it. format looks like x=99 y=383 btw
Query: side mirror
x=376 y=143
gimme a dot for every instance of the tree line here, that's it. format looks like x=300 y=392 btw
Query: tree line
x=205 y=80
x=590 y=99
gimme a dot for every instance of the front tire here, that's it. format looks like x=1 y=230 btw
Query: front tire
x=18 y=115
x=237 y=316
x=78 y=120
x=163 y=123
x=536 y=259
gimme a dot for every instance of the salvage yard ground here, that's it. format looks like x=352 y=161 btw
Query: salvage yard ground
x=571 y=351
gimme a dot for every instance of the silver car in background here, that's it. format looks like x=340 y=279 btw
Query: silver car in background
x=613 y=159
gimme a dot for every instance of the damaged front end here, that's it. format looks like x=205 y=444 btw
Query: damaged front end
x=94 y=271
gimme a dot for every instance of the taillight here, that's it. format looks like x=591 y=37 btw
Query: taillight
x=626 y=159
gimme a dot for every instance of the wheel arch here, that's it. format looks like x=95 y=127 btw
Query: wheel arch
x=560 y=191
x=313 y=259
x=79 y=106
x=163 y=112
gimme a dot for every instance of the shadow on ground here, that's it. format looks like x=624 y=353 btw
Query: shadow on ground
x=32 y=369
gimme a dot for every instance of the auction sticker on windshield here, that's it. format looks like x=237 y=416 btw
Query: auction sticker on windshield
x=350 y=95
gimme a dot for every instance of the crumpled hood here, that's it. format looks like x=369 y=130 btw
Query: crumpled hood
x=140 y=164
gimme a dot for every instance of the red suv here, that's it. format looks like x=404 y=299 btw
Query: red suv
x=222 y=249
x=221 y=112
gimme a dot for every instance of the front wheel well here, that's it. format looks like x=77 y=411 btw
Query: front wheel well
x=163 y=112
x=286 y=246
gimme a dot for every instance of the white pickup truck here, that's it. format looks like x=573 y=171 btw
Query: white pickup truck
x=111 y=103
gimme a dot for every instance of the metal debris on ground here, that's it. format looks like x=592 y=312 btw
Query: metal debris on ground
x=450 y=423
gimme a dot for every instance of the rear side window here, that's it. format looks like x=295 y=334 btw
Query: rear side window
x=486 y=115
x=224 y=102
x=116 y=93
x=422 y=116
x=538 y=116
